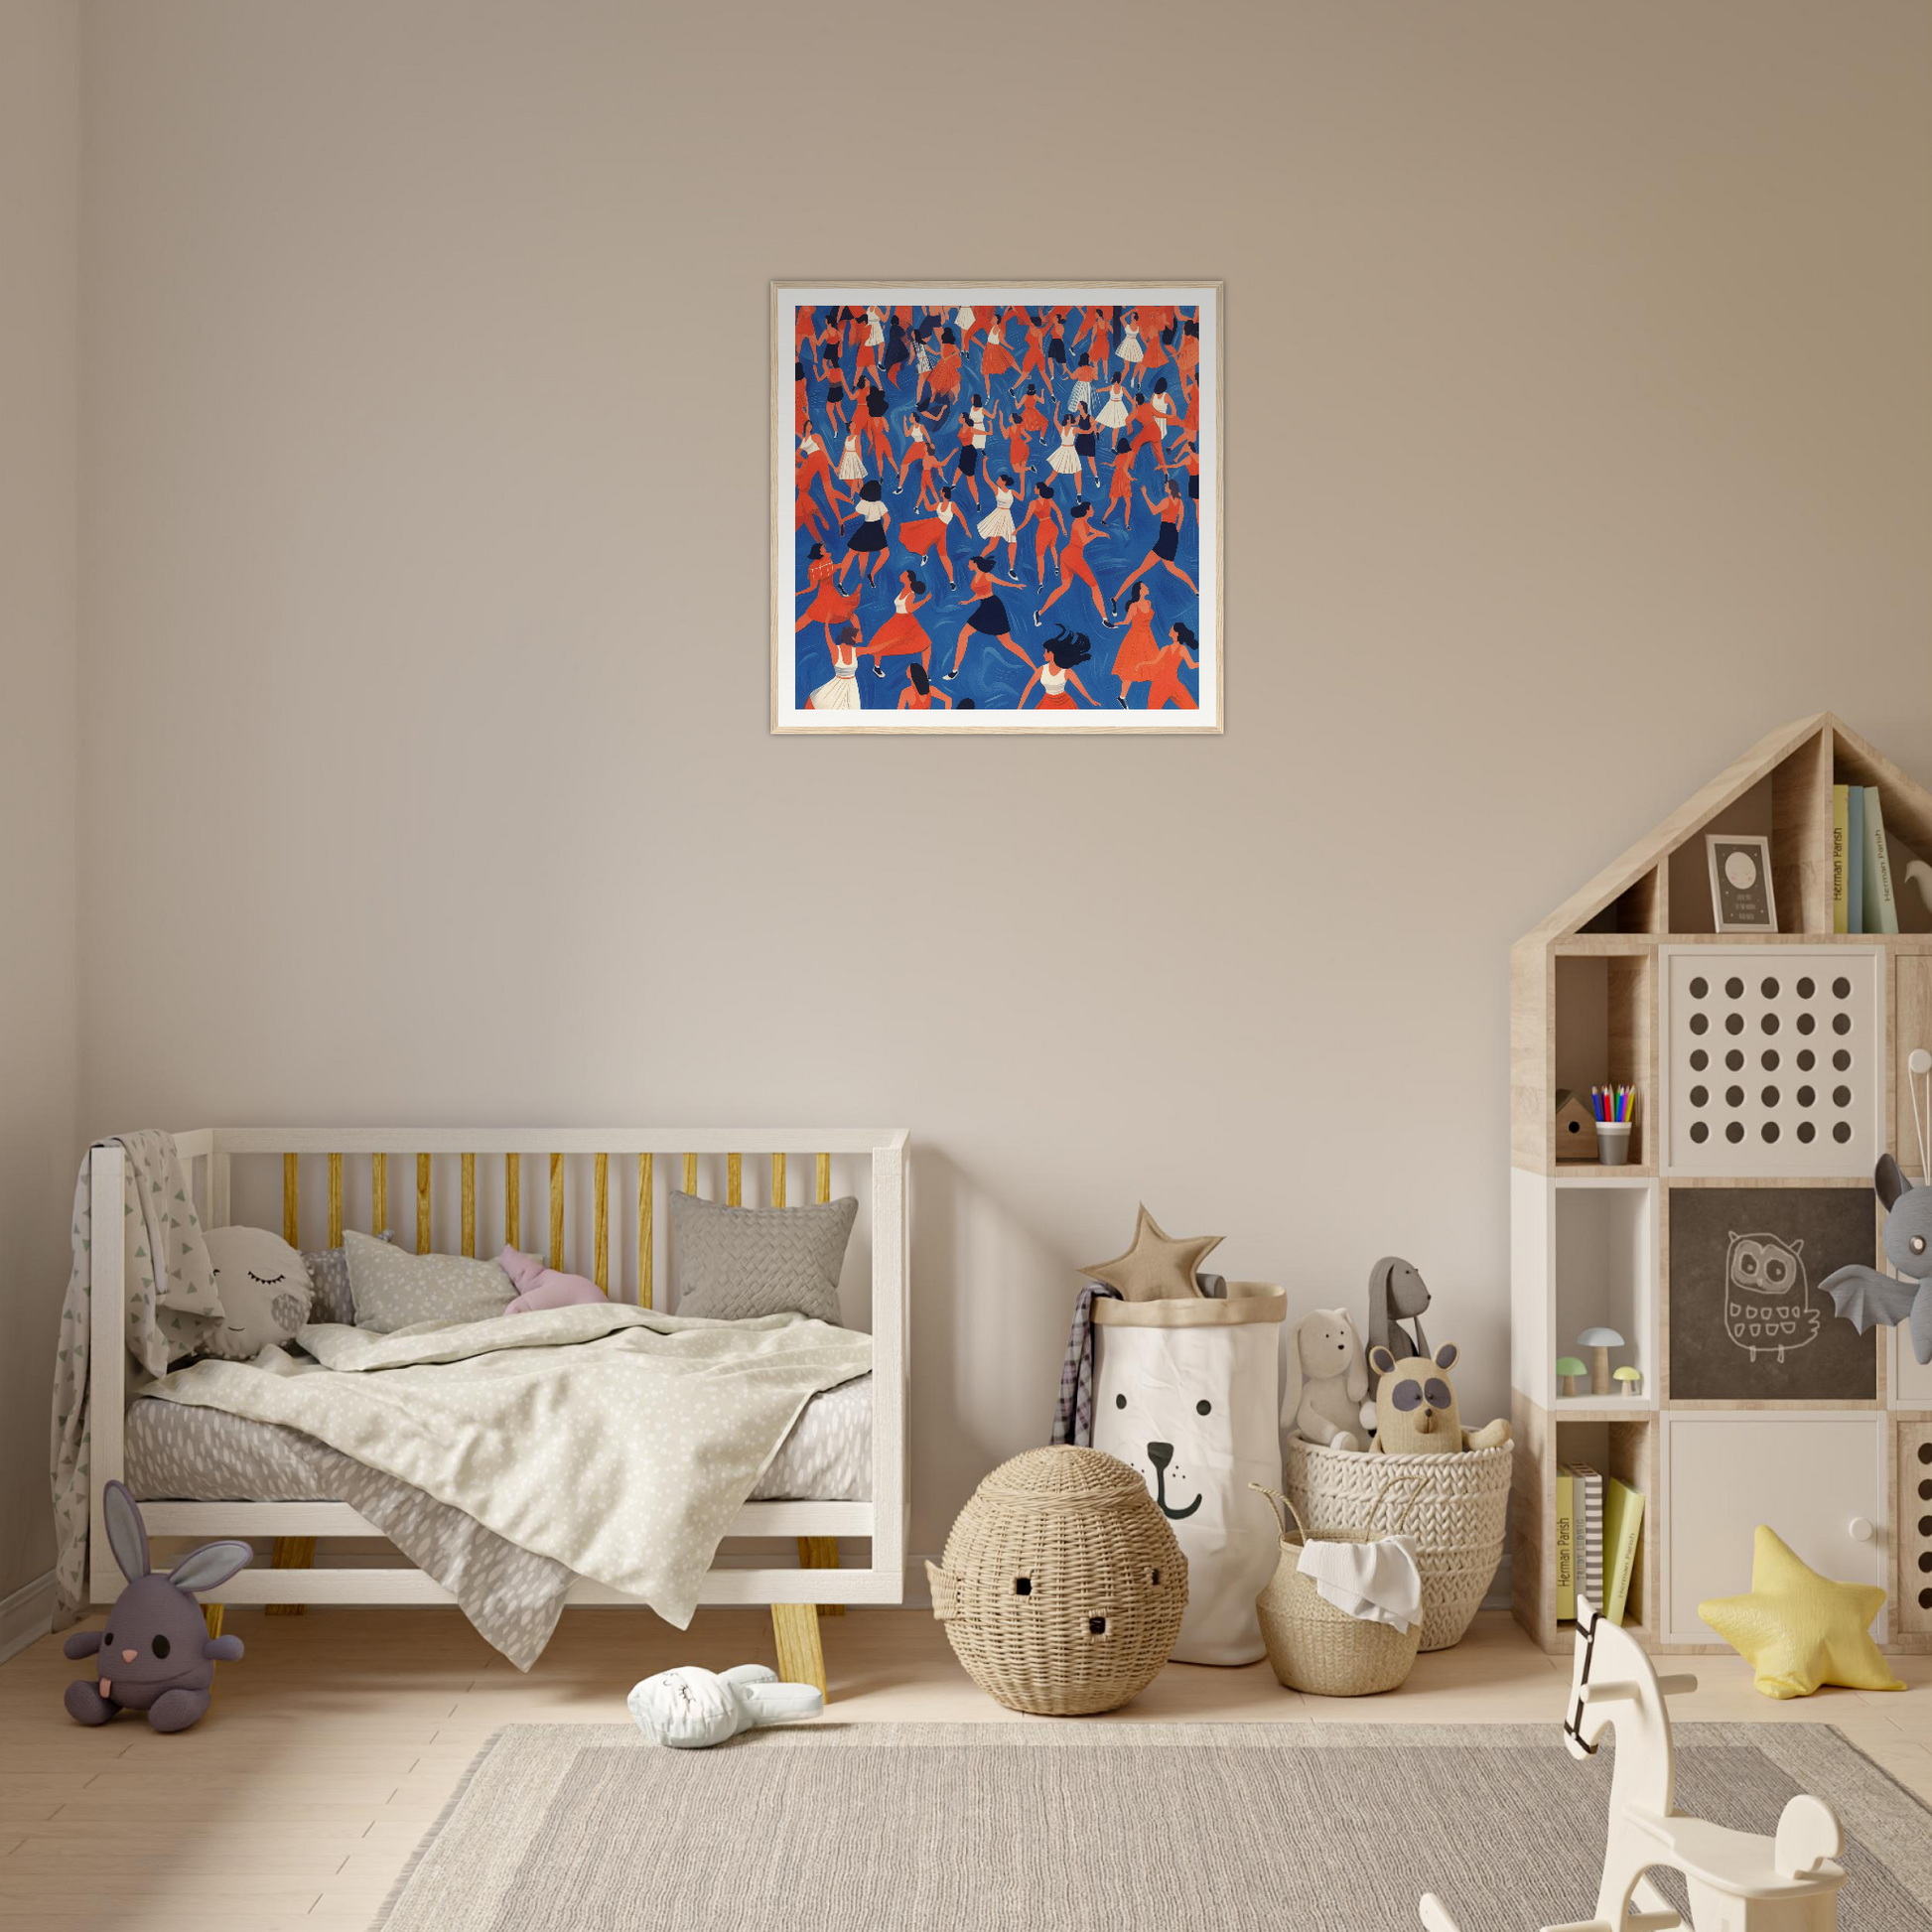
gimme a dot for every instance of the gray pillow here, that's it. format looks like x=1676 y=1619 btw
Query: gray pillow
x=394 y=1290
x=735 y=1263
x=329 y=1277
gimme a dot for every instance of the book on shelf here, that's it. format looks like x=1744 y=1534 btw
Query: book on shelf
x=1841 y=884
x=1587 y=1530
x=1622 y=1522
x=1855 y=858
x=1566 y=1547
x=1880 y=905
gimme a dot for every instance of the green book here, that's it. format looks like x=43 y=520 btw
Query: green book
x=1880 y=904
x=1566 y=1548
x=1622 y=1520
x=1841 y=876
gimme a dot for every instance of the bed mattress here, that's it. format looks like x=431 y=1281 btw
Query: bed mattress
x=186 y=1455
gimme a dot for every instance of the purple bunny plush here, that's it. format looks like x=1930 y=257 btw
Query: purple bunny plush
x=156 y=1654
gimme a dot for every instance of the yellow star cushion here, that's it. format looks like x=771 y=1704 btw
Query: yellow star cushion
x=1797 y=1629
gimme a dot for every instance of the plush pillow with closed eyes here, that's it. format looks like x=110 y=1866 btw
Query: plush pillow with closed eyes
x=264 y=1291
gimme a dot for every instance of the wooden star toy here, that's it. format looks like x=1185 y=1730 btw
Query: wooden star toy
x=1156 y=1267
x=1797 y=1629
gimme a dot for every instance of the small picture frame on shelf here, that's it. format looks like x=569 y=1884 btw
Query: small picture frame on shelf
x=1741 y=881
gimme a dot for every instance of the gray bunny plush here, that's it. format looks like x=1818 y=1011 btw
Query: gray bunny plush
x=156 y=1654
x=1397 y=1294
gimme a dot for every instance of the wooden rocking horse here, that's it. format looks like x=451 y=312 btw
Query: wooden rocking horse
x=1739 y=1881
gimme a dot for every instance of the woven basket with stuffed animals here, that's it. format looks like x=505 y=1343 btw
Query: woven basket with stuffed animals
x=1362 y=1416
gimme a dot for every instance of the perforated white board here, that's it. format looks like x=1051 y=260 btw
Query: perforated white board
x=1773 y=1060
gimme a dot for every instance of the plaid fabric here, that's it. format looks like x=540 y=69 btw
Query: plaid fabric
x=1073 y=1417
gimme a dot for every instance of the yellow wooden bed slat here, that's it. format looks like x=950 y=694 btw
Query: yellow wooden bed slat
x=601 y=1225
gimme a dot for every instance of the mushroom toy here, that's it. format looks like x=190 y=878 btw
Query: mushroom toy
x=1629 y=1377
x=1573 y=1371
x=1600 y=1342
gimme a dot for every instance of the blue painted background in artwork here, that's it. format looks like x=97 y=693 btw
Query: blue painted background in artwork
x=991 y=675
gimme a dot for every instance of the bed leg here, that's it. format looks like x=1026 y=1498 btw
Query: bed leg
x=821 y=1553
x=212 y=1616
x=801 y=1659
x=291 y=1553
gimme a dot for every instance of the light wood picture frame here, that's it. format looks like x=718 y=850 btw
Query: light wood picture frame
x=1102 y=394
x=1741 y=897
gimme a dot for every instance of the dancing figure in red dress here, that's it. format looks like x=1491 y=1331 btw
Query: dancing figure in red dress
x=901 y=635
x=1164 y=685
x=1134 y=661
x=830 y=605
x=918 y=693
x=1044 y=513
x=1074 y=567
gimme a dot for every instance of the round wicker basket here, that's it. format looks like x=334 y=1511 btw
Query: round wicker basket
x=1313 y=1646
x=1458 y=1516
x=1062 y=1587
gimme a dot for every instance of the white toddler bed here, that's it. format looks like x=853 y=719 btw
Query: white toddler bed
x=224 y=1166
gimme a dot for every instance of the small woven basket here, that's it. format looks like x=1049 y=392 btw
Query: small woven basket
x=1313 y=1646
x=1062 y=1587
x=1458 y=1516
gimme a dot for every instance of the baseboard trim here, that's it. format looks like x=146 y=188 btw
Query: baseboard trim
x=26 y=1616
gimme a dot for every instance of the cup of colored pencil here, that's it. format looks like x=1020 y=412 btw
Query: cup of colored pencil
x=1616 y=1109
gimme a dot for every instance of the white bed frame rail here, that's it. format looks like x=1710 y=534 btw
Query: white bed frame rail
x=206 y=1154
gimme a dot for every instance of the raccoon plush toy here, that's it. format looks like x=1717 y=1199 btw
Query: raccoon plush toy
x=1416 y=1411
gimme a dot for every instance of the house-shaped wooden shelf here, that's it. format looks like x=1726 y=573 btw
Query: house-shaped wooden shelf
x=1773 y=1060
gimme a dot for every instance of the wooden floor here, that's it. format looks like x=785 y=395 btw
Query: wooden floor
x=333 y=1744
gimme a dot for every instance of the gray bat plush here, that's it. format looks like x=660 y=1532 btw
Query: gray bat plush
x=1868 y=1298
x=156 y=1654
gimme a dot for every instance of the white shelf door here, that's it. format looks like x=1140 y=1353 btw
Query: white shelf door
x=1818 y=1478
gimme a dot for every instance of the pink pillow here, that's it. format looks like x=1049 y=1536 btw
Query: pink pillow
x=538 y=1287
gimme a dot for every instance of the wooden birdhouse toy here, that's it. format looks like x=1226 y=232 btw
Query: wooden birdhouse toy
x=1576 y=1127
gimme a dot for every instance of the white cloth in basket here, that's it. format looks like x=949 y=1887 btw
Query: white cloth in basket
x=1376 y=1583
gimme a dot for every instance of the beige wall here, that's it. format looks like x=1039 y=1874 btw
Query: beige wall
x=1578 y=417
x=40 y=209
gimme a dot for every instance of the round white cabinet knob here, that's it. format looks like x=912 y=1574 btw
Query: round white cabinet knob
x=1860 y=1528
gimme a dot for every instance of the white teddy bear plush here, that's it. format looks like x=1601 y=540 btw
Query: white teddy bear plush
x=1334 y=1380
x=691 y=1709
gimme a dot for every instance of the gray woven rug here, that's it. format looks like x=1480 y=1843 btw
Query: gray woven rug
x=1122 y=1827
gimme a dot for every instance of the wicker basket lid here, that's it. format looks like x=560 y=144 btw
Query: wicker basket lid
x=1066 y=1476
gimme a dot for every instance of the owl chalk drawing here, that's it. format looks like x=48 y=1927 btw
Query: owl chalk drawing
x=1767 y=1298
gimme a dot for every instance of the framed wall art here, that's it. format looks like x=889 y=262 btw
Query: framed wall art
x=1741 y=881
x=996 y=506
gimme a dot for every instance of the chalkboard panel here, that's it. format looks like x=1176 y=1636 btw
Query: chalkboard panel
x=1748 y=1317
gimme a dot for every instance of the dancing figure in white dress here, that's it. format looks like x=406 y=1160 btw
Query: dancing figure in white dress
x=840 y=692
x=997 y=526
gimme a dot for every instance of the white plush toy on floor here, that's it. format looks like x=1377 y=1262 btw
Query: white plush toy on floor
x=1739 y=1881
x=691 y=1709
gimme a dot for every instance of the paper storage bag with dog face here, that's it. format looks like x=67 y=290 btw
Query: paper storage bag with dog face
x=1187 y=1392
